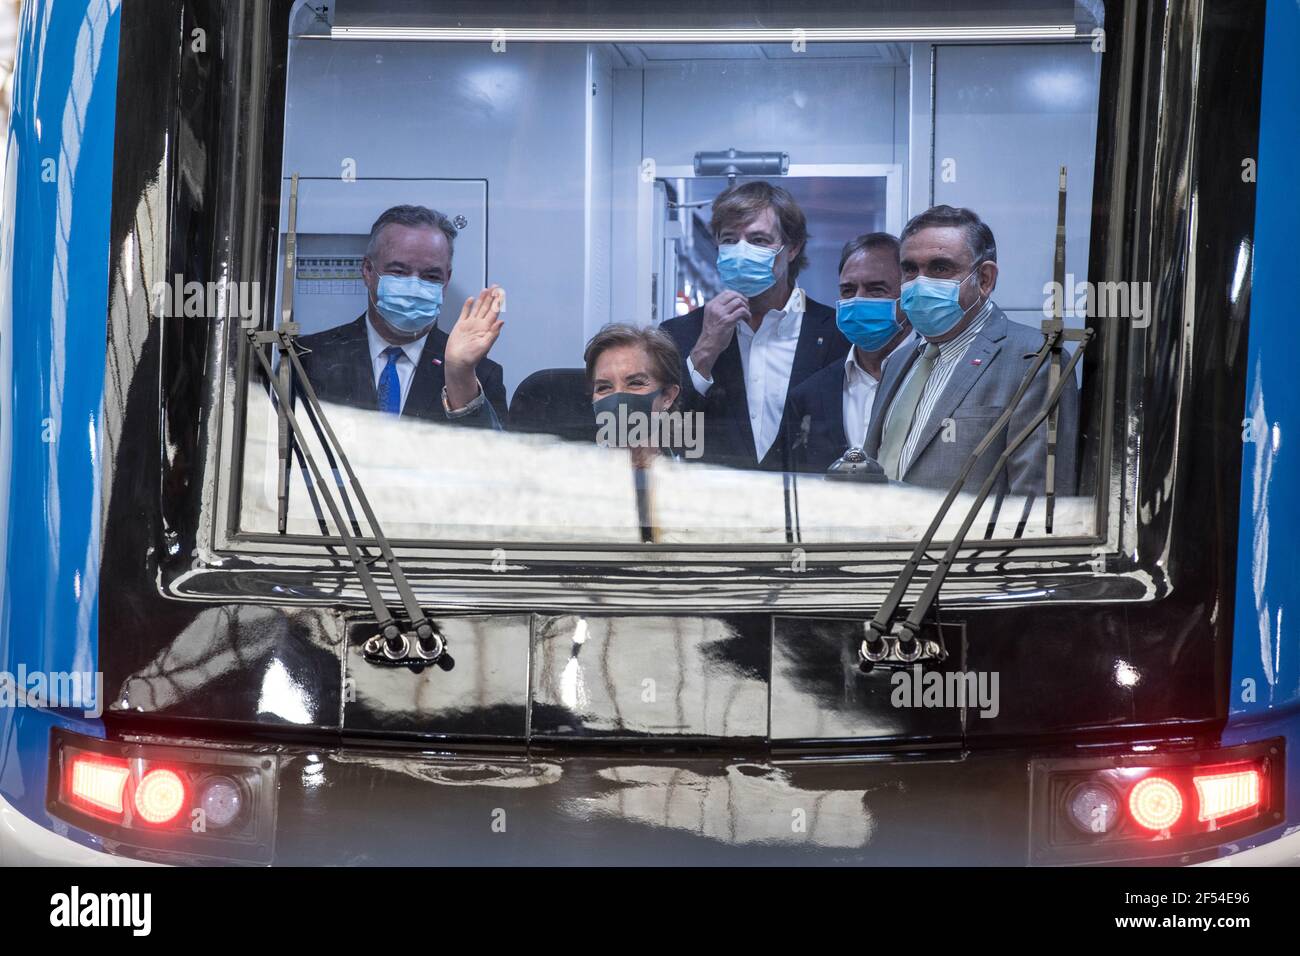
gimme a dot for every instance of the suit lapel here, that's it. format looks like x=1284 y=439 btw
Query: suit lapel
x=832 y=411
x=360 y=373
x=729 y=373
x=978 y=357
x=424 y=399
x=728 y=370
x=810 y=353
x=893 y=377
x=814 y=342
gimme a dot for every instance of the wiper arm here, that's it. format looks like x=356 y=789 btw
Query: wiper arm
x=881 y=628
x=874 y=645
x=421 y=643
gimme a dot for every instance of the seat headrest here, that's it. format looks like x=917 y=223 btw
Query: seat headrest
x=554 y=401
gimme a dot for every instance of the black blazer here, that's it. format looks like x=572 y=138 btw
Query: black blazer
x=819 y=401
x=728 y=437
x=338 y=363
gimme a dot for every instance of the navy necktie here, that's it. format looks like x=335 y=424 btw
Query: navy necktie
x=390 y=386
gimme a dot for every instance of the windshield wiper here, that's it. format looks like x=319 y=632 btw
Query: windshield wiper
x=880 y=631
x=287 y=326
x=419 y=643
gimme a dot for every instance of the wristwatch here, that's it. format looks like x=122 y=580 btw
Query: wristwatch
x=475 y=403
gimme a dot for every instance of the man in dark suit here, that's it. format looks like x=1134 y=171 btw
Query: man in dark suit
x=936 y=406
x=394 y=358
x=829 y=412
x=747 y=347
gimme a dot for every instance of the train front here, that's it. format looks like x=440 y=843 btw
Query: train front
x=278 y=591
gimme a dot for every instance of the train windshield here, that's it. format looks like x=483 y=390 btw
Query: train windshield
x=730 y=284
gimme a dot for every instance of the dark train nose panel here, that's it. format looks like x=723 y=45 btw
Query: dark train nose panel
x=819 y=692
x=650 y=676
x=484 y=693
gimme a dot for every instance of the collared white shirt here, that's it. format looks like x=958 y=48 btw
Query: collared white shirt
x=406 y=362
x=950 y=355
x=860 y=391
x=767 y=359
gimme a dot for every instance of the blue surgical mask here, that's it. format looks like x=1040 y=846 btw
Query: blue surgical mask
x=932 y=305
x=408 y=303
x=747 y=268
x=867 y=323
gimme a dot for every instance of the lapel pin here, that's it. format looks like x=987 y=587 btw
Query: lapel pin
x=819 y=340
x=437 y=361
x=977 y=361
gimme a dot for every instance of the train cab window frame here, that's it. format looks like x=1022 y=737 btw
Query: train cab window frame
x=839 y=575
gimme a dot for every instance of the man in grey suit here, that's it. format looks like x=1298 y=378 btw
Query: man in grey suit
x=935 y=407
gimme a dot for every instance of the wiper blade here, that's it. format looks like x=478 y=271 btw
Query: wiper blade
x=284 y=438
x=1057 y=324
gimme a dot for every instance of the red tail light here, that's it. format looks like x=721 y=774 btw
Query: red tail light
x=159 y=796
x=98 y=782
x=1155 y=803
x=1225 y=794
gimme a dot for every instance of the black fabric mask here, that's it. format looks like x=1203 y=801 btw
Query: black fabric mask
x=622 y=406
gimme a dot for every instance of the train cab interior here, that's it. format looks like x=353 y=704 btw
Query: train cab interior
x=580 y=174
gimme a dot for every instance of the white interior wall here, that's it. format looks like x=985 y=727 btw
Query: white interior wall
x=600 y=161
x=626 y=305
x=819 y=110
x=1008 y=117
x=517 y=119
x=919 y=133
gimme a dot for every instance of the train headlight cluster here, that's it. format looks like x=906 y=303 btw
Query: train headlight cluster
x=191 y=801
x=1139 y=804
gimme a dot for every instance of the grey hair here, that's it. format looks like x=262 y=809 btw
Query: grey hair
x=979 y=237
x=870 y=240
x=415 y=217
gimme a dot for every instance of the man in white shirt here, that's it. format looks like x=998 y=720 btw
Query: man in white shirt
x=394 y=358
x=831 y=410
x=746 y=348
